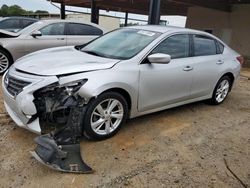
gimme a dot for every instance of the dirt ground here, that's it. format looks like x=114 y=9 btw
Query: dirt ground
x=181 y=147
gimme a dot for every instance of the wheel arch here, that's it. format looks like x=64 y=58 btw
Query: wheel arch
x=7 y=51
x=91 y=91
x=231 y=76
x=122 y=92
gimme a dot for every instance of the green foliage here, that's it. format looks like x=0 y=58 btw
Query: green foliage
x=16 y=10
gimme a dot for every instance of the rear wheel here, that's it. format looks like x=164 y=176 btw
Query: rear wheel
x=221 y=90
x=5 y=61
x=105 y=116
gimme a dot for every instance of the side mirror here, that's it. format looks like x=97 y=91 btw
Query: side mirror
x=36 y=34
x=159 y=58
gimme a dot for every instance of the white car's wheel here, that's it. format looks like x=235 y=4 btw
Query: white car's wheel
x=5 y=61
x=221 y=90
x=105 y=116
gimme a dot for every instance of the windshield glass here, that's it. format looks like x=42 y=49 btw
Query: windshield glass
x=121 y=44
x=30 y=27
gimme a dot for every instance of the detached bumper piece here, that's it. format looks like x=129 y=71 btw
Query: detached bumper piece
x=65 y=158
x=61 y=150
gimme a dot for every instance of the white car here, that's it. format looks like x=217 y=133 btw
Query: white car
x=44 y=34
x=124 y=74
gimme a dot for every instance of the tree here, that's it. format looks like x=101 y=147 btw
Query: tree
x=16 y=10
x=4 y=10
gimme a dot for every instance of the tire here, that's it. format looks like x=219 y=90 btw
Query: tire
x=5 y=61
x=221 y=90
x=101 y=122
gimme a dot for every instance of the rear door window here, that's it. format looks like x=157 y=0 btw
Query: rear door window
x=204 y=46
x=83 y=29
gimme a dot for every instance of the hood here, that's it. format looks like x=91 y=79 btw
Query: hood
x=62 y=60
x=7 y=34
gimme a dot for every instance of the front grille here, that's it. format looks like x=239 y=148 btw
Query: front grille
x=14 y=85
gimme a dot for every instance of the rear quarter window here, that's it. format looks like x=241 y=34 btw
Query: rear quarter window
x=220 y=47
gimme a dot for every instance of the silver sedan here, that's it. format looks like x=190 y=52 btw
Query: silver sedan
x=124 y=74
x=44 y=34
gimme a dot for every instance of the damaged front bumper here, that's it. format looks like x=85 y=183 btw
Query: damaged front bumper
x=36 y=103
x=18 y=100
x=60 y=150
x=34 y=126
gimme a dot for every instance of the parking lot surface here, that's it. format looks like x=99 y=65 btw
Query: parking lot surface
x=181 y=147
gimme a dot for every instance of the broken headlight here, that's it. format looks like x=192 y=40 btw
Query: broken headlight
x=70 y=88
x=53 y=103
x=73 y=87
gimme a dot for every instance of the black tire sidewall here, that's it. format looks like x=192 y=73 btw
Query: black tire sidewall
x=213 y=100
x=87 y=130
x=9 y=59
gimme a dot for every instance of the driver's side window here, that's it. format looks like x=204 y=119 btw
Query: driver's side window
x=53 y=29
x=177 y=46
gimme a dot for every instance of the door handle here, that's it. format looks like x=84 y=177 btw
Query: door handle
x=219 y=62
x=60 y=38
x=188 y=68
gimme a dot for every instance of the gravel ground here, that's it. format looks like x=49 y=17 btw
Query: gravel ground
x=181 y=147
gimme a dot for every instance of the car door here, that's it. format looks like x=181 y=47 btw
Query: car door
x=78 y=33
x=165 y=84
x=53 y=35
x=207 y=63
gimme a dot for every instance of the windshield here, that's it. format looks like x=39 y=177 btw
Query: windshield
x=30 y=27
x=121 y=44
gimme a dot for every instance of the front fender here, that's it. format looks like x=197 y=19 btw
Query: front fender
x=103 y=80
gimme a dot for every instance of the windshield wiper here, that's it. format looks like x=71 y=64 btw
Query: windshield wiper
x=92 y=53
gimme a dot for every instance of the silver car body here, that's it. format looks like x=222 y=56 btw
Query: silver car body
x=150 y=87
x=22 y=43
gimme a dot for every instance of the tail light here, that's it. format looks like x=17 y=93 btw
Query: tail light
x=240 y=59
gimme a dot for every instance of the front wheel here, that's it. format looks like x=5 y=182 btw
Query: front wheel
x=5 y=61
x=105 y=116
x=221 y=90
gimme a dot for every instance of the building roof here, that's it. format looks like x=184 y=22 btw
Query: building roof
x=168 y=7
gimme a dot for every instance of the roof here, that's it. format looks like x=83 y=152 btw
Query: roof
x=158 y=28
x=66 y=21
x=18 y=17
x=47 y=22
x=168 y=7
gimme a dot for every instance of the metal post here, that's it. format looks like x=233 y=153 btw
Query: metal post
x=63 y=11
x=94 y=12
x=126 y=19
x=154 y=12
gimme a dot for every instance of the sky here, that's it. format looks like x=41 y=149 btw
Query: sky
x=45 y=5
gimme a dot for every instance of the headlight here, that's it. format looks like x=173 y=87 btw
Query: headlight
x=70 y=87
x=73 y=87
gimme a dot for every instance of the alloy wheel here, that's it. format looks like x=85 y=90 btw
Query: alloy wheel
x=107 y=116
x=4 y=63
x=222 y=91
